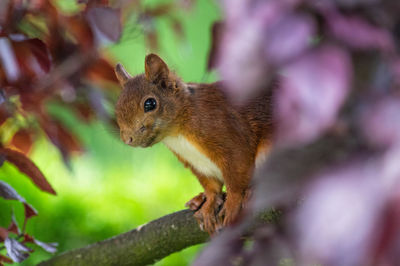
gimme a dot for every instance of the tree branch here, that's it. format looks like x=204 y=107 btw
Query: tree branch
x=144 y=245
x=147 y=243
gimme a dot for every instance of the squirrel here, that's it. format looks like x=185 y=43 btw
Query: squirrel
x=219 y=141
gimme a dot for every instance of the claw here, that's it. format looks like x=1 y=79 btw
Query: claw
x=218 y=228
x=220 y=201
x=201 y=225
x=206 y=220
x=208 y=211
x=195 y=203
x=228 y=214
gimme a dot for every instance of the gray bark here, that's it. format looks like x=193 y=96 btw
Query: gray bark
x=147 y=243
x=141 y=246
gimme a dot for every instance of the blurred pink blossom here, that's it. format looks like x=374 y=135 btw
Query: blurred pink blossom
x=381 y=122
x=289 y=37
x=335 y=222
x=257 y=38
x=357 y=33
x=312 y=91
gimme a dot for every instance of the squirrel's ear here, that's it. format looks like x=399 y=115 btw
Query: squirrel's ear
x=122 y=75
x=155 y=68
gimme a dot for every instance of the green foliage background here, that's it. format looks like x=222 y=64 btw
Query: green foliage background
x=113 y=188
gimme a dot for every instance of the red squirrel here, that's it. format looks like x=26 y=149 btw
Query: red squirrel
x=220 y=142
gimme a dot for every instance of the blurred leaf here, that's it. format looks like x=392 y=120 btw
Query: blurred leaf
x=355 y=3
x=177 y=27
x=3 y=233
x=22 y=140
x=102 y=69
x=29 y=211
x=322 y=74
x=32 y=102
x=289 y=37
x=152 y=40
x=386 y=239
x=8 y=60
x=18 y=252
x=381 y=122
x=3 y=97
x=26 y=166
x=5 y=259
x=31 y=54
x=357 y=33
x=159 y=10
x=216 y=36
x=49 y=247
x=7 y=192
x=28 y=238
x=187 y=4
x=13 y=227
x=85 y=111
x=61 y=137
x=82 y=32
x=94 y=2
x=40 y=51
x=4 y=114
x=105 y=23
x=33 y=58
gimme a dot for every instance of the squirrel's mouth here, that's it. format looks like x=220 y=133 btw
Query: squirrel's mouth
x=149 y=142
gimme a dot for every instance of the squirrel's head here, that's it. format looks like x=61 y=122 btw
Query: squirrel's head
x=149 y=103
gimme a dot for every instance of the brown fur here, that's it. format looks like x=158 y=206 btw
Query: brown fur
x=230 y=136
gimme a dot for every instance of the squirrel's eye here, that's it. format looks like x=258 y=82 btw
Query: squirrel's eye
x=150 y=104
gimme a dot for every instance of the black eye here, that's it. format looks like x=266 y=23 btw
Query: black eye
x=150 y=104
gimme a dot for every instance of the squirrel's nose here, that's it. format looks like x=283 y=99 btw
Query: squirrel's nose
x=128 y=140
x=126 y=137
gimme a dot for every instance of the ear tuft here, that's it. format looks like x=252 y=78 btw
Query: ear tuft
x=155 y=68
x=122 y=75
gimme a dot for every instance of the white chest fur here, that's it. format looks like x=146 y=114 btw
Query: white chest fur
x=193 y=156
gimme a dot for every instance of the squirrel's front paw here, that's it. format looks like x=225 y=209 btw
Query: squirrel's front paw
x=196 y=203
x=207 y=220
x=207 y=215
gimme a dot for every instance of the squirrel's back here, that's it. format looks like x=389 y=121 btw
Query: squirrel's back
x=256 y=113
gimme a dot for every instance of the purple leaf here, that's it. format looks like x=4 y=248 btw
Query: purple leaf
x=26 y=166
x=18 y=252
x=29 y=211
x=340 y=203
x=8 y=60
x=13 y=227
x=256 y=38
x=312 y=91
x=41 y=53
x=49 y=247
x=241 y=61
x=355 y=3
x=7 y=192
x=289 y=37
x=358 y=33
x=225 y=246
x=3 y=234
x=105 y=23
x=3 y=97
x=381 y=122
x=216 y=34
x=5 y=259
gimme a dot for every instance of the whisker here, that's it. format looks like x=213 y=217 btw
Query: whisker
x=111 y=130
